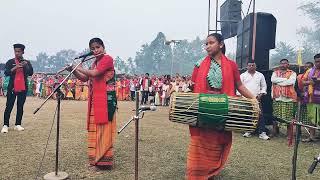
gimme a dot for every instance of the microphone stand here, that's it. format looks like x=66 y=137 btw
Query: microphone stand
x=136 y=118
x=296 y=144
x=58 y=175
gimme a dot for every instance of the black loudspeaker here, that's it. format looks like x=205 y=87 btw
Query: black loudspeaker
x=265 y=36
x=230 y=16
x=266 y=101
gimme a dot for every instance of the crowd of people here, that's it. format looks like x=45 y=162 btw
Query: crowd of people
x=154 y=89
x=41 y=85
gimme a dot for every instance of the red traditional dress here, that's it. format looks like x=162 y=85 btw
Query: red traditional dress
x=208 y=148
x=101 y=117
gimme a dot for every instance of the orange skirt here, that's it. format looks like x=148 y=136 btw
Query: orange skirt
x=207 y=154
x=100 y=141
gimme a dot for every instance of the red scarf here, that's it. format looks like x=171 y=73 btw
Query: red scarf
x=19 y=82
x=199 y=76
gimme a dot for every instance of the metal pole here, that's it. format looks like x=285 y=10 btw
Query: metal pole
x=172 y=48
x=254 y=6
x=295 y=153
x=254 y=32
x=217 y=4
x=242 y=42
x=58 y=132
x=296 y=144
x=209 y=12
x=249 y=7
x=136 y=175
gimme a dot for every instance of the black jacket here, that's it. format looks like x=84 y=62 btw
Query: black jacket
x=28 y=71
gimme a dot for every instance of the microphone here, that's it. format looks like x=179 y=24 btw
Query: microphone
x=148 y=108
x=314 y=164
x=85 y=55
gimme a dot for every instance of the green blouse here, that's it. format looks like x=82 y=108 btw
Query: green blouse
x=214 y=76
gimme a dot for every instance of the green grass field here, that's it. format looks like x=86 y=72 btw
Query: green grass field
x=162 y=150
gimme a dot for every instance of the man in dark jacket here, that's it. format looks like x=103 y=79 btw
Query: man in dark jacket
x=18 y=69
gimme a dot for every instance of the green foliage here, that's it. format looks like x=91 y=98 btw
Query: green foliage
x=121 y=66
x=154 y=58
x=312 y=9
x=311 y=35
x=50 y=64
x=186 y=54
x=157 y=57
x=283 y=51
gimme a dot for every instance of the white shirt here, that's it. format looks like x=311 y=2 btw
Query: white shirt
x=185 y=87
x=132 y=86
x=255 y=83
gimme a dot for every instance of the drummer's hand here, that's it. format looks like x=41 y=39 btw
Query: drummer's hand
x=259 y=97
x=255 y=100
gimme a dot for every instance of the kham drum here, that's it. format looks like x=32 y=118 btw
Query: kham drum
x=216 y=111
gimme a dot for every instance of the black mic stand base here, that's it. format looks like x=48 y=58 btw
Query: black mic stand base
x=54 y=176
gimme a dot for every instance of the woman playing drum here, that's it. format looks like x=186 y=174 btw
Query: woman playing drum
x=216 y=74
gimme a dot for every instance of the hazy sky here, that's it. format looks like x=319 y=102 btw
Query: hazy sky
x=53 y=25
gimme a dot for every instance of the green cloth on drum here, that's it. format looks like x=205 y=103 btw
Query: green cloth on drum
x=314 y=113
x=112 y=104
x=213 y=110
x=284 y=110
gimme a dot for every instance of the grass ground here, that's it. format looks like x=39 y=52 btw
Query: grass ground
x=162 y=149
